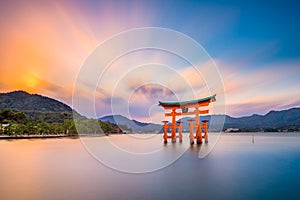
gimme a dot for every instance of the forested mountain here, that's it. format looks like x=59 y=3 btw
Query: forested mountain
x=32 y=114
x=272 y=121
x=36 y=106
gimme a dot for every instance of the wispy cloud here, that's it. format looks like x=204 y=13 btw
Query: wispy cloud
x=267 y=87
x=44 y=43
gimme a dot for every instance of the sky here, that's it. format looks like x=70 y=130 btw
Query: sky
x=255 y=46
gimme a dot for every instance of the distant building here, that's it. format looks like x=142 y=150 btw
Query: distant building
x=230 y=130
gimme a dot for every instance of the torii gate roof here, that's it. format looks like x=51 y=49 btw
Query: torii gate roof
x=188 y=103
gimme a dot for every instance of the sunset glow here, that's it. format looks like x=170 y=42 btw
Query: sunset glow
x=44 y=44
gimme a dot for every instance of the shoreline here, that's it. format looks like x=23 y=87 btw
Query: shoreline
x=20 y=137
x=6 y=137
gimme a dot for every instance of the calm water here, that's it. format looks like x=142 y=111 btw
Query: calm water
x=269 y=168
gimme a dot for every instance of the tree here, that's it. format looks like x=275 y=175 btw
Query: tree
x=6 y=114
x=106 y=127
x=8 y=129
x=69 y=127
x=20 y=118
x=31 y=128
x=19 y=129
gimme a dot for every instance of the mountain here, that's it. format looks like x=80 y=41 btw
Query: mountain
x=36 y=106
x=134 y=125
x=23 y=101
x=272 y=121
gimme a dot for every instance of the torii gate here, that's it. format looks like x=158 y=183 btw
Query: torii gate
x=184 y=106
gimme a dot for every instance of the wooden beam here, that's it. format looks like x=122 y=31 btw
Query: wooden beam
x=205 y=103
x=171 y=114
x=170 y=126
x=202 y=112
x=171 y=107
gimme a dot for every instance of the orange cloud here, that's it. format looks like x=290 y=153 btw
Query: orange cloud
x=44 y=43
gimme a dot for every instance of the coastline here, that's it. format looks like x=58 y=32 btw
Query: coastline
x=20 y=137
x=6 y=137
x=262 y=133
x=54 y=136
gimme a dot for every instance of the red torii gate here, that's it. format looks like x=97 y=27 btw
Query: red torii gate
x=184 y=106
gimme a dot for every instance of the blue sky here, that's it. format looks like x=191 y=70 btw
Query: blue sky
x=241 y=24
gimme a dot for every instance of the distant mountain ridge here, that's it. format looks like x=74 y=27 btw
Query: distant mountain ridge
x=135 y=125
x=273 y=120
x=36 y=106
x=276 y=119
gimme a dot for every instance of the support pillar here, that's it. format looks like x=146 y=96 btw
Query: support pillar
x=191 y=131
x=205 y=124
x=173 y=125
x=180 y=131
x=198 y=127
x=165 y=131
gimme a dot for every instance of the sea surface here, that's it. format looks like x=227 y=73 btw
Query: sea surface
x=240 y=166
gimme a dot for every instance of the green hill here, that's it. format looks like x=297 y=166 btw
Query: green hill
x=32 y=114
x=36 y=106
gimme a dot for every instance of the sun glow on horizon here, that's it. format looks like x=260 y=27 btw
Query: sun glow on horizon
x=44 y=44
x=45 y=50
x=31 y=82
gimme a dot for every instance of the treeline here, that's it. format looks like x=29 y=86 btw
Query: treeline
x=291 y=128
x=17 y=123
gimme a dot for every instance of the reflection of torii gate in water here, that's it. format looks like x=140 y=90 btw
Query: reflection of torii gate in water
x=184 y=106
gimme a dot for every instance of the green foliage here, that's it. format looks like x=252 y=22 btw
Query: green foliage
x=16 y=123
x=32 y=114
x=21 y=101
x=106 y=127
x=69 y=127
x=35 y=106
x=20 y=118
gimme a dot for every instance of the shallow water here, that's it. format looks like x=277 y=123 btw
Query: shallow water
x=237 y=168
